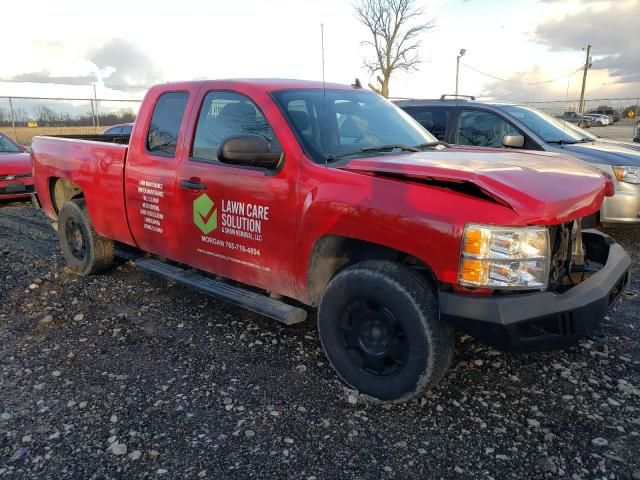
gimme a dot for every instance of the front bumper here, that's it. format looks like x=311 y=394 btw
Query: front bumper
x=12 y=189
x=544 y=320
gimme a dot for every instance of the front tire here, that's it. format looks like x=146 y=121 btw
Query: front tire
x=380 y=328
x=85 y=251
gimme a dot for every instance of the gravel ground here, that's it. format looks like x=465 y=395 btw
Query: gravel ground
x=126 y=376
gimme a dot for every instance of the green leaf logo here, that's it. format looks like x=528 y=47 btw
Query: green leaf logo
x=205 y=215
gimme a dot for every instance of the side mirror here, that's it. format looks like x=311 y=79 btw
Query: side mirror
x=248 y=150
x=513 y=141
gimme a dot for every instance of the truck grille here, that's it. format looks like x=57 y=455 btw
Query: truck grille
x=570 y=264
x=11 y=189
x=560 y=324
x=15 y=176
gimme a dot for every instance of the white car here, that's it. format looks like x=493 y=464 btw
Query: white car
x=599 y=119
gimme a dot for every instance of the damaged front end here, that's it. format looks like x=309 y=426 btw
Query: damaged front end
x=588 y=273
x=576 y=255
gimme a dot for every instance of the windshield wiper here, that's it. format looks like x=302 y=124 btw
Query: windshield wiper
x=432 y=144
x=377 y=148
x=562 y=142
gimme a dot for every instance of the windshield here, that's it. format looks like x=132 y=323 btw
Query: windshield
x=581 y=131
x=550 y=129
x=7 y=146
x=337 y=123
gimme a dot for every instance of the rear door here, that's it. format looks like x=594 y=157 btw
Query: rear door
x=150 y=178
x=236 y=221
x=482 y=128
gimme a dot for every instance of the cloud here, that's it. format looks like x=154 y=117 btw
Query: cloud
x=612 y=31
x=610 y=27
x=599 y=85
x=119 y=63
x=126 y=65
x=46 y=77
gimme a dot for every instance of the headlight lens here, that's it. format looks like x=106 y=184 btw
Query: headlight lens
x=504 y=257
x=627 y=174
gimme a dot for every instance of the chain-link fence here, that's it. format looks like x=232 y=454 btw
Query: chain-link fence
x=22 y=118
x=624 y=113
x=623 y=106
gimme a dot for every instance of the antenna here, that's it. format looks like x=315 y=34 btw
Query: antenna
x=324 y=89
x=322 y=46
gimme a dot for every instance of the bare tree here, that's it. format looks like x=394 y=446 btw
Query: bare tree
x=394 y=26
x=46 y=116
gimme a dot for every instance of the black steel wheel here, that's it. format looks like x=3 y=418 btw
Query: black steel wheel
x=76 y=238
x=374 y=338
x=381 y=331
x=85 y=251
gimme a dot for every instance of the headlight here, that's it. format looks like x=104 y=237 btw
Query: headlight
x=514 y=258
x=627 y=174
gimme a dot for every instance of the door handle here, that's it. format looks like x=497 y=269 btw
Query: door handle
x=193 y=184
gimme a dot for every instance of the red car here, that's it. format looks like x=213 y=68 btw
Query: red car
x=331 y=196
x=16 y=180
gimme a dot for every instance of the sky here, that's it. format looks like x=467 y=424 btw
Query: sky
x=60 y=48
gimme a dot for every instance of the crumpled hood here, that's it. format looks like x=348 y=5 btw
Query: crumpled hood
x=541 y=187
x=605 y=152
x=15 y=163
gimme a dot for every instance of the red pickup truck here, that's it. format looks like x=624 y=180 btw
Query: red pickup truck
x=276 y=194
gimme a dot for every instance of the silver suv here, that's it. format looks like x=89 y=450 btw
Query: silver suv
x=504 y=125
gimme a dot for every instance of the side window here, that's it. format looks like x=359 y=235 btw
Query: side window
x=114 y=131
x=433 y=119
x=224 y=114
x=126 y=130
x=482 y=129
x=162 y=136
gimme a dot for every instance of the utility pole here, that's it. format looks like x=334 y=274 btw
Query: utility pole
x=15 y=133
x=462 y=52
x=95 y=98
x=587 y=65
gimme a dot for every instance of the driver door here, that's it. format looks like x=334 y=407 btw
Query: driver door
x=236 y=221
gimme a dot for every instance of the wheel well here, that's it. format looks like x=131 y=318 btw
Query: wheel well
x=333 y=253
x=62 y=190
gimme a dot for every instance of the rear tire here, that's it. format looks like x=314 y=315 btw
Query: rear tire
x=85 y=251
x=381 y=331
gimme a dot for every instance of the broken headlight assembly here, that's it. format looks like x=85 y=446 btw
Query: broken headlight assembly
x=511 y=258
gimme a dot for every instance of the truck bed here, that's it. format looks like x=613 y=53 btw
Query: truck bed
x=96 y=167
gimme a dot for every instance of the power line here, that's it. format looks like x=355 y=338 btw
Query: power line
x=521 y=83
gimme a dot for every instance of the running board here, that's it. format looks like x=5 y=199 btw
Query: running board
x=262 y=304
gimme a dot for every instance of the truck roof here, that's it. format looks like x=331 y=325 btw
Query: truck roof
x=266 y=84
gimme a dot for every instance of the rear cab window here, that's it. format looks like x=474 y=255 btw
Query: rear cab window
x=164 y=128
